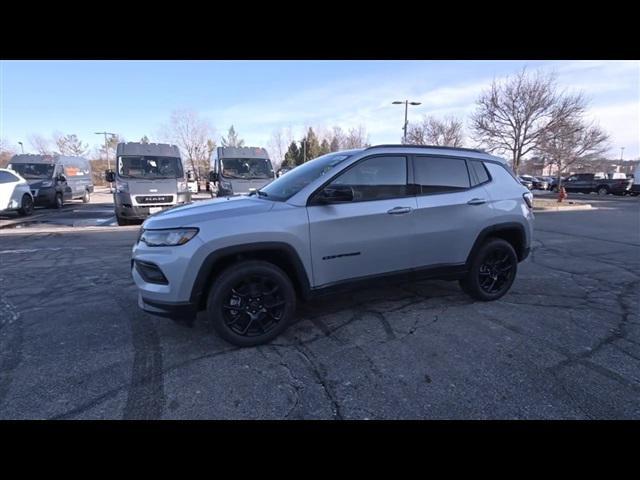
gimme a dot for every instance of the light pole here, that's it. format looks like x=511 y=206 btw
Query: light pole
x=406 y=108
x=21 y=146
x=621 y=152
x=106 y=151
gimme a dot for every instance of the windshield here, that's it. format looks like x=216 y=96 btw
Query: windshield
x=149 y=167
x=33 y=170
x=295 y=180
x=246 y=168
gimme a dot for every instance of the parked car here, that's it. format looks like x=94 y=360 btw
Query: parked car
x=239 y=170
x=635 y=186
x=54 y=179
x=588 y=183
x=540 y=183
x=15 y=193
x=385 y=212
x=525 y=182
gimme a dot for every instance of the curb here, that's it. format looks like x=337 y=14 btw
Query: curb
x=564 y=208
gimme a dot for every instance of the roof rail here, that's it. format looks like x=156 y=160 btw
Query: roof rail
x=399 y=145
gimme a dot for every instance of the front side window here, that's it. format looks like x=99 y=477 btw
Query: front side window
x=149 y=167
x=440 y=174
x=376 y=178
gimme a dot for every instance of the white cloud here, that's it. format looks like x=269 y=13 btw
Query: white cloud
x=622 y=122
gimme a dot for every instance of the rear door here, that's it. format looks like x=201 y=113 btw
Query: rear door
x=453 y=207
x=370 y=235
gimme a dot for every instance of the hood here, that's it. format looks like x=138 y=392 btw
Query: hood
x=207 y=210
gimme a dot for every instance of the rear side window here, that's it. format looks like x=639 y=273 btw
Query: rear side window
x=6 y=177
x=440 y=174
x=478 y=172
x=376 y=178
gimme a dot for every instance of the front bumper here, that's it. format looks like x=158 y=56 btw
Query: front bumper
x=43 y=196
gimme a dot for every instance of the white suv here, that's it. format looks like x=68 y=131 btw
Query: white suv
x=387 y=212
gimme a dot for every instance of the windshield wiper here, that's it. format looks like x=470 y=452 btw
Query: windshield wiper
x=261 y=193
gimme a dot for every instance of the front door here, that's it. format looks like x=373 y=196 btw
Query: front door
x=370 y=235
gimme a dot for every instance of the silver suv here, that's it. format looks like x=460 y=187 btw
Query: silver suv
x=387 y=212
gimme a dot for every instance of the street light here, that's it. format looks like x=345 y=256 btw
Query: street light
x=106 y=151
x=21 y=146
x=406 y=108
x=621 y=152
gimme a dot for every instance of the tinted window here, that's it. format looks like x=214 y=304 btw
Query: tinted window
x=376 y=178
x=438 y=174
x=6 y=177
x=480 y=174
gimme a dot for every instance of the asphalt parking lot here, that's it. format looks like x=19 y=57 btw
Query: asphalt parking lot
x=563 y=344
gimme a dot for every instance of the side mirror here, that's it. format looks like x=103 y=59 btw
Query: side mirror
x=110 y=176
x=61 y=178
x=213 y=176
x=336 y=194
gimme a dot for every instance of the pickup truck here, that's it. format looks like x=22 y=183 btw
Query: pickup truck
x=588 y=182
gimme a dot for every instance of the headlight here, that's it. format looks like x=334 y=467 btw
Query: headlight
x=168 y=238
x=528 y=197
x=122 y=187
x=182 y=187
x=46 y=183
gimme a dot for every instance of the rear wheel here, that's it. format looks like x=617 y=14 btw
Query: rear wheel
x=251 y=303
x=492 y=272
x=603 y=191
x=26 y=206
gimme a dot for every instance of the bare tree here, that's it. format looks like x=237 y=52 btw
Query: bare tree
x=570 y=141
x=278 y=146
x=431 y=131
x=6 y=152
x=513 y=115
x=357 y=137
x=40 y=144
x=193 y=135
x=70 y=144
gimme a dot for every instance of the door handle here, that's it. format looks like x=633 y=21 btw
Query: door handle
x=476 y=201
x=399 y=210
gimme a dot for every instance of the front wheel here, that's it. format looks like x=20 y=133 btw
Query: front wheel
x=122 y=221
x=603 y=191
x=492 y=272
x=251 y=303
x=26 y=207
x=58 y=201
x=86 y=197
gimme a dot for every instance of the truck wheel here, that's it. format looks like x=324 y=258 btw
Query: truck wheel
x=26 y=207
x=603 y=191
x=86 y=197
x=251 y=303
x=492 y=272
x=122 y=221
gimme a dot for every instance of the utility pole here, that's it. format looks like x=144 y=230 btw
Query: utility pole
x=21 y=146
x=621 y=151
x=106 y=151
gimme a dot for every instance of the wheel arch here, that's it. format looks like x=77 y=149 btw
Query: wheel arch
x=512 y=232
x=280 y=254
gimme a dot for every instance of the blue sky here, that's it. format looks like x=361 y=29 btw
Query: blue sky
x=134 y=98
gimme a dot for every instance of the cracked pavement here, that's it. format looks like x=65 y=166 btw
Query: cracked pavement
x=563 y=344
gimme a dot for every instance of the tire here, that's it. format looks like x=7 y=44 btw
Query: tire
x=484 y=286
x=602 y=191
x=86 y=197
x=242 y=285
x=122 y=221
x=58 y=201
x=26 y=206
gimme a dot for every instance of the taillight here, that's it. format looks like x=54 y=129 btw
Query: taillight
x=528 y=197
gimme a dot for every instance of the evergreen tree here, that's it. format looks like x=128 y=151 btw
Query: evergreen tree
x=292 y=156
x=335 y=144
x=144 y=139
x=232 y=139
x=313 y=145
x=325 y=147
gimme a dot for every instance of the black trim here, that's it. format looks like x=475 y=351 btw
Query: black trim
x=443 y=272
x=177 y=310
x=522 y=252
x=340 y=255
x=206 y=270
x=142 y=267
x=438 y=147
